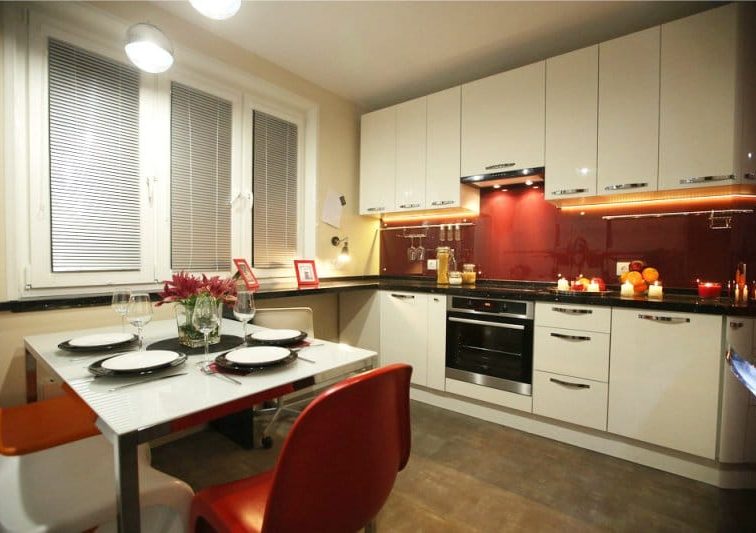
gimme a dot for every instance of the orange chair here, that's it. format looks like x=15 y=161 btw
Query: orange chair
x=336 y=468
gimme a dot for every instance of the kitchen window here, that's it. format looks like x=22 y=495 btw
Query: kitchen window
x=123 y=177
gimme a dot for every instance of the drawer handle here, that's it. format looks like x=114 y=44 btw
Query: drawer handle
x=570 y=337
x=499 y=165
x=409 y=206
x=622 y=186
x=442 y=202
x=569 y=385
x=665 y=319
x=376 y=208
x=704 y=179
x=572 y=311
x=403 y=296
x=736 y=325
x=568 y=191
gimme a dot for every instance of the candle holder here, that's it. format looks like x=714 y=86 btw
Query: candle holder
x=709 y=289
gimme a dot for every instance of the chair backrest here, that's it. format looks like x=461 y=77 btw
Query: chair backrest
x=286 y=318
x=339 y=462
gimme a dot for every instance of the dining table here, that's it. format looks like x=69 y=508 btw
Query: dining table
x=149 y=408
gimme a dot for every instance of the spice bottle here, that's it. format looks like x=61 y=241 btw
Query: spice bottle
x=442 y=265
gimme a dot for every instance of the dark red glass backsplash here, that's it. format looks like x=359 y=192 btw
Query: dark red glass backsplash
x=520 y=236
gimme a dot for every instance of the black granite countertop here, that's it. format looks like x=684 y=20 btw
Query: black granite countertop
x=533 y=291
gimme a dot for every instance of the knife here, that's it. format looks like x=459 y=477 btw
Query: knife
x=156 y=378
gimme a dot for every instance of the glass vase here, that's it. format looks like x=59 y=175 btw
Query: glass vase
x=188 y=335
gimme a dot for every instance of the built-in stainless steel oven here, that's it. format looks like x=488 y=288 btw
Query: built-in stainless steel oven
x=489 y=342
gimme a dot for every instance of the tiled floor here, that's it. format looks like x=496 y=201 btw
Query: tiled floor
x=470 y=475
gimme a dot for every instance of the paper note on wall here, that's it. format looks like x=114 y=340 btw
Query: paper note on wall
x=332 y=208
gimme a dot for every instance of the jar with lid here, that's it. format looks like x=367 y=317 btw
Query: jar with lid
x=442 y=265
x=468 y=274
x=455 y=277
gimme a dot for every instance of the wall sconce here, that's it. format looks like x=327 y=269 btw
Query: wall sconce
x=344 y=254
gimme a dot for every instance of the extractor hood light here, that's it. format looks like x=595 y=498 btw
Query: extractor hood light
x=217 y=9
x=148 y=48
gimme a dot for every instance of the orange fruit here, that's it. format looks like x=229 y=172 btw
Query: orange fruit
x=584 y=281
x=623 y=276
x=634 y=277
x=650 y=274
x=640 y=288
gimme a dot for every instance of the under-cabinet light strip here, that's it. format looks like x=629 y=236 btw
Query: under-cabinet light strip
x=460 y=224
x=638 y=203
x=712 y=212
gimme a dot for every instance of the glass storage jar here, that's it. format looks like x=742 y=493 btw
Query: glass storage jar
x=442 y=265
x=468 y=274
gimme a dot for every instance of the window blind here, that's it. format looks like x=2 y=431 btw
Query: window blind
x=200 y=180
x=274 y=175
x=94 y=161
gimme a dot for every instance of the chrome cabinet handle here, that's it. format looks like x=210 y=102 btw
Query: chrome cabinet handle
x=572 y=311
x=569 y=385
x=376 y=208
x=403 y=296
x=666 y=319
x=749 y=176
x=736 y=325
x=499 y=165
x=625 y=186
x=485 y=323
x=570 y=337
x=568 y=191
x=704 y=179
x=408 y=206
x=442 y=202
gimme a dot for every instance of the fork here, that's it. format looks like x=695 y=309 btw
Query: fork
x=209 y=372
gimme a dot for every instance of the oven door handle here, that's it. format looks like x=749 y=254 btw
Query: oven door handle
x=484 y=323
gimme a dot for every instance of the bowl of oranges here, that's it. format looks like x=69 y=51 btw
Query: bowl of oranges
x=640 y=276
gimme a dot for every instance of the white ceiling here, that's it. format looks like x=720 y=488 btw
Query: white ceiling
x=381 y=53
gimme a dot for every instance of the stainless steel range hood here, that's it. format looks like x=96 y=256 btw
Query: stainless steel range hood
x=523 y=178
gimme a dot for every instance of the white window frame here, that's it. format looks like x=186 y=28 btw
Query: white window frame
x=25 y=118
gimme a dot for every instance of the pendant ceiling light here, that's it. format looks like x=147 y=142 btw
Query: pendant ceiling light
x=148 y=48
x=217 y=9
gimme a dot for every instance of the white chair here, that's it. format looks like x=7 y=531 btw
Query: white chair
x=71 y=487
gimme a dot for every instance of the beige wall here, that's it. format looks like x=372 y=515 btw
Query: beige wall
x=338 y=169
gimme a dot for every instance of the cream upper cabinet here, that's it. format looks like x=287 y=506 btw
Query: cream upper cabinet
x=411 y=120
x=702 y=98
x=442 y=188
x=377 y=161
x=664 y=375
x=628 y=113
x=571 y=124
x=503 y=121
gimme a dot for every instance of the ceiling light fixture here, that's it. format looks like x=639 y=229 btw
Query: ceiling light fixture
x=148 y=48
x=344 y=254
x=217 y=9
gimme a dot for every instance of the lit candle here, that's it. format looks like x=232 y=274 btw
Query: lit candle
x=563 y=284
x=593 y=287
x=655 y=290
x=627 y=290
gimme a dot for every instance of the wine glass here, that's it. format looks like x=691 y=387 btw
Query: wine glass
x=205 y=318
x=139 y=312
x=120 y=304
x=244 y=309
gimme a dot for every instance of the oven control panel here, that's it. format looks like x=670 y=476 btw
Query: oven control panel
x=491 y=306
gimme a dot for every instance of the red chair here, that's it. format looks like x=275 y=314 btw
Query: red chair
x=336 y=468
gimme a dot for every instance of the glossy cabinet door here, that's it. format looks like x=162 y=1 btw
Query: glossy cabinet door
x=436 y=341
x=664 y=374
x=410 y=154
x=377 y=161
x=699 y=119
x=571 y=124
x=503 y=121
x=442 y=187
x=628 y=113
x=404 y=332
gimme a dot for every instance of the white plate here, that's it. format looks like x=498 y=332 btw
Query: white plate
x=275 y=334
x=140 y=360
x=258 y=355
x=100 y=339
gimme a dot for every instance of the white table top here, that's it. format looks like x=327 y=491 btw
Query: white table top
x=150 y=404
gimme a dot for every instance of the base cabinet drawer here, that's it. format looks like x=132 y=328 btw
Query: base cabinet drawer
x=572 y=353
x=569 y=316
x=574 y=400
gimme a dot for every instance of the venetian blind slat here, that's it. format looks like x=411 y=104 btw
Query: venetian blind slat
x=94 y=161
x=200 y=180
x=274 y=174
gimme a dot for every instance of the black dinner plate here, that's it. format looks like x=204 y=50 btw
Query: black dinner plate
x=97 y=369
x=222 y=362
x=99 y=348
x=278 y=342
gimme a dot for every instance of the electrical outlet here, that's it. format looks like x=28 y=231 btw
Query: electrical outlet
x=432 y=264
x=622 y=267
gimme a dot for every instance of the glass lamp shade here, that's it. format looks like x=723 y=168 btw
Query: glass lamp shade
x=148 y=48
x=217 y=9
